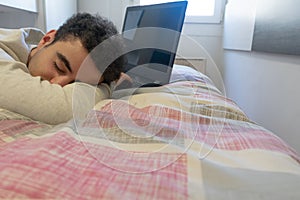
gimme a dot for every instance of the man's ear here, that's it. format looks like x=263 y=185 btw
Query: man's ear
x=47 y=38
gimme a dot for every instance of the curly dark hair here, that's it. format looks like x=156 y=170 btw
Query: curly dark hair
x=93 y=30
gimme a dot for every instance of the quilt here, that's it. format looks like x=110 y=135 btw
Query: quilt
x=184 y=140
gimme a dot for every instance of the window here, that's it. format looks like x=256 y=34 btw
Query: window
x=198 y=11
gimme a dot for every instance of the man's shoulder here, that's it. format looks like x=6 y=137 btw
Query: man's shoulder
x=17 y=43
x=30 y=35
x=33 y=36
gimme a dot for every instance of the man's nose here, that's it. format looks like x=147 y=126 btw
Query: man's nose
x=60 y=80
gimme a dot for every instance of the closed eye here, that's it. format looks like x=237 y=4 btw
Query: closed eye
x=61 y=71
x=63 y=59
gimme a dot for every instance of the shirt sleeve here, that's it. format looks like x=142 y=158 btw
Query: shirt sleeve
x=43 y=101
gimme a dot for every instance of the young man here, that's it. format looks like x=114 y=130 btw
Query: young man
x=39 y=82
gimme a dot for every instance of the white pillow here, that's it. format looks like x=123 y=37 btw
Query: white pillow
x=186 y=73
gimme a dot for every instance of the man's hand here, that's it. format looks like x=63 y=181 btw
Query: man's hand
x=124 y=82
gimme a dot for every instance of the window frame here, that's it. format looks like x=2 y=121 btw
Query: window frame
x=214 y=19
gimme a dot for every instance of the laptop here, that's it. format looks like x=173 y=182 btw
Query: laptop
x=152 y=34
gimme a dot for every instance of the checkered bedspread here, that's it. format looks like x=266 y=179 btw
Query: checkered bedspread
x=181 y=141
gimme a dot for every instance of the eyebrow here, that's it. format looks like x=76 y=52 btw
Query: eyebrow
x=64 y=60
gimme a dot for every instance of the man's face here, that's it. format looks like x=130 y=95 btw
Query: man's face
x=60 y=62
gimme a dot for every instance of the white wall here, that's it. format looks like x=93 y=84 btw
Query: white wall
x=43 y=14
x=57 y=11
x=209 y=37
x=113 y=10
x=28 y=5
x=16 y=15
x=264 y=85
x=16 y=18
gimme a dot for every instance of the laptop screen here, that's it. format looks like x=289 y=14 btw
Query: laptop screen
x=155 y=49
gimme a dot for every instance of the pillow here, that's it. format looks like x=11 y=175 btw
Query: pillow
x=186 y=73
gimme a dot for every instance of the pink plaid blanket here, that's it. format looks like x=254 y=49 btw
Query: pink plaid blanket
x=183 y=145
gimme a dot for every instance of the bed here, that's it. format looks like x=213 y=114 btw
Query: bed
x=184 y=140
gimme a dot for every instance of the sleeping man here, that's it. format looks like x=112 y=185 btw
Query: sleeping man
x=38 y=72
